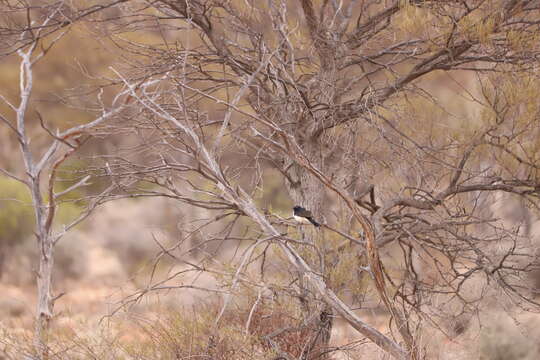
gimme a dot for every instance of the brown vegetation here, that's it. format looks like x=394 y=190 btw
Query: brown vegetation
x=408 y=128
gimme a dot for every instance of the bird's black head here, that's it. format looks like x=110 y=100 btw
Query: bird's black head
x=297 y=209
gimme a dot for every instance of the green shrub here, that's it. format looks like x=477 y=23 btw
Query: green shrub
x=16 y=212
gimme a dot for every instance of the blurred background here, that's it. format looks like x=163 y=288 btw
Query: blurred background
x=106 y=267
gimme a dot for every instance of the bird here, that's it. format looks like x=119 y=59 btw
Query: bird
x=304 y=216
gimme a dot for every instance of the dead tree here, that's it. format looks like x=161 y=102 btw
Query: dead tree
x=30 y=34
x=338 y=98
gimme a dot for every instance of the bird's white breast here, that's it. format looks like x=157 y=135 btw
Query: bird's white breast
x=301 y=219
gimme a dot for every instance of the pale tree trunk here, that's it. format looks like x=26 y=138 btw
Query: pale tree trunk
x=45 y=303
x=44 y=310
x=63 y=144
x=42 y=211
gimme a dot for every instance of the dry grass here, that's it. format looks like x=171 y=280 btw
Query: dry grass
x=180 y=325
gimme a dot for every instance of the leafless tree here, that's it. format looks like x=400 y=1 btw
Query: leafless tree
x=30 y=31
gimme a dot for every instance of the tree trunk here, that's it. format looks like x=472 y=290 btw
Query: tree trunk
x=308 y=192
x=44 y=310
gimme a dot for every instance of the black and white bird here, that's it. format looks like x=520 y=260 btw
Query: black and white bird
x=304 y=216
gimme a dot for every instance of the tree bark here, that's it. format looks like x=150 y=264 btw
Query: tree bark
x=45 y=304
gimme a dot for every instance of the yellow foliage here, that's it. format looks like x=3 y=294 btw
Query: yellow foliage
x=410 y=18
x=485 y=29
x=416 y=21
